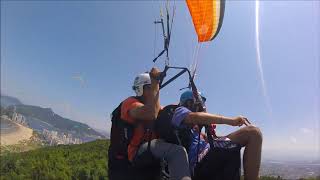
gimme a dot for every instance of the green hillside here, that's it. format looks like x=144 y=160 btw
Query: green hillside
x=84 y=161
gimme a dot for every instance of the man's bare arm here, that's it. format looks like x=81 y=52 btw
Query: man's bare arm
x=202 y=118
x=150 y=109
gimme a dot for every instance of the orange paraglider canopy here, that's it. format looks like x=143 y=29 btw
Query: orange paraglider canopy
x=207 y=17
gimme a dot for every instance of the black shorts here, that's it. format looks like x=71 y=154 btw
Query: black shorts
x=144 y=167
x=222 y=162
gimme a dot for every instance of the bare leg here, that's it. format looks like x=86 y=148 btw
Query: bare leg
x=251 y=138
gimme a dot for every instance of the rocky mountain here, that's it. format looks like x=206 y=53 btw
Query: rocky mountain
x=39 y=119
x=9 y=101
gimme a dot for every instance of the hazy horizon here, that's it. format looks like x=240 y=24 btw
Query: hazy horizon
x=80 y=59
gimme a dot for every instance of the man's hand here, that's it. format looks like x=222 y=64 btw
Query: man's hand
x=238 y=121
x=155 y=74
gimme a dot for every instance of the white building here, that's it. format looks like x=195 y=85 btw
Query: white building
x=19 y=118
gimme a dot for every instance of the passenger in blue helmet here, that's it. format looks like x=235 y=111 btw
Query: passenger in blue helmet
x=204 y=159
x=188 y=95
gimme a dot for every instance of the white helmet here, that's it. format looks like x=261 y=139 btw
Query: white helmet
x=139 y=82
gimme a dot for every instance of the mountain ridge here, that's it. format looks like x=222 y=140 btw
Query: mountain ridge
x=6 y=101
x=40 y=118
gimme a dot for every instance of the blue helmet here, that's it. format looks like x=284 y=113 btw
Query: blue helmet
x=188 y=95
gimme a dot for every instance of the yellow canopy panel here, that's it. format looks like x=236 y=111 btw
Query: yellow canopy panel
x=207 y=17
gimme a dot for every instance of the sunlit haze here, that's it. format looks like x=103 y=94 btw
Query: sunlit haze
x=80 y=59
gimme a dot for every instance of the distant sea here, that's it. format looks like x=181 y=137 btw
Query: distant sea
x=295 y=163
x=290 y=170
x=7 y=126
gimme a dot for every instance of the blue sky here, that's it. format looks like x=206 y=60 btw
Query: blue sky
x=80 y=59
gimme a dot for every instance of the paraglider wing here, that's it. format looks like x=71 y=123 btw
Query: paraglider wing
x=207 y=17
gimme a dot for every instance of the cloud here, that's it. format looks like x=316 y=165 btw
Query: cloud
x=306 y=131
x=293 y=140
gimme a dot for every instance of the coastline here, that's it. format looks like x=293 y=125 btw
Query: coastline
x=22 y=133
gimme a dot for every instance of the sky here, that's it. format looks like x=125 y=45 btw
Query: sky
x=80 y=58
